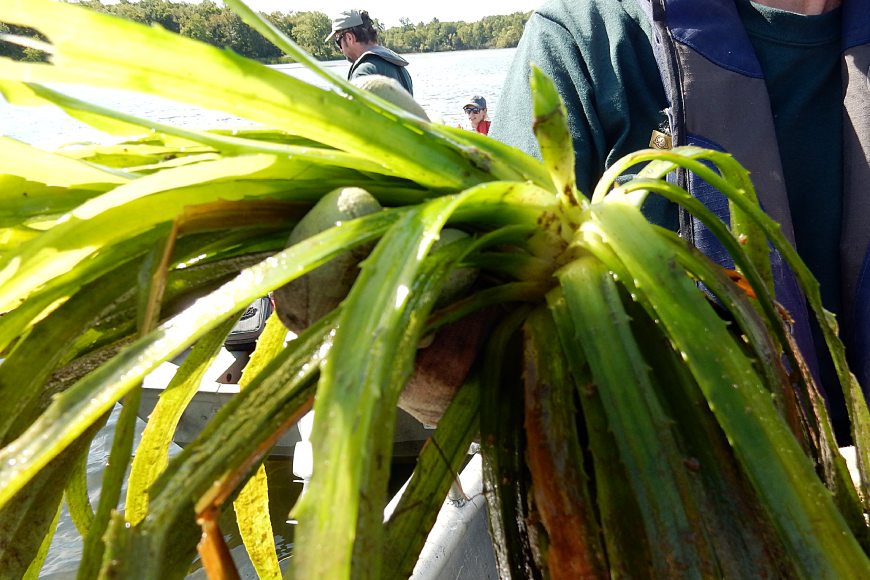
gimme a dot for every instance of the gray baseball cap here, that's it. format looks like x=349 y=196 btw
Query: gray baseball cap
x=475 y=101
x=344 y=20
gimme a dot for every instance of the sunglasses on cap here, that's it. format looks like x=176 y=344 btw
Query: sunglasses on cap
x=472 y=110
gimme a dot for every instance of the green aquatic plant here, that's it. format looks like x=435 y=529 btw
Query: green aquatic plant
x=630 y=423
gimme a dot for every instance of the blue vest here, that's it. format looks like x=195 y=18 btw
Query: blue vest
x=705 y=57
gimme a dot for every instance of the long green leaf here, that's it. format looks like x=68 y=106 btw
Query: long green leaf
x=799 y=504
x=252 y=504
x=855 y=399
x=152 y=454
x=437 y=466
x=551 y=130
x=555 y=457
x=646 y=444
x=34 y=178
x=740 y=530
x=505 y=203
x=28 y=367
x=824 y=449
x=32 y=572
x=112 y=481
x=358 y=385
x=503 y=450
x=118 y=215
x=745 y=206
x=211 y=78
x=741 y=258
x=73 y=411
x=25 y=522
x=151 y=283
x=212 y=467
x=629 y=550
x=186 y=138
x=251 y=507
x=77 y=500
x=729 y=178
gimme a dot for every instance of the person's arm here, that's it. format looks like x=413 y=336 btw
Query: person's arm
x=599 y=55
x=550 y=46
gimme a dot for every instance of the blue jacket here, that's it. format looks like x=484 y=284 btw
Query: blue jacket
x=702 y=50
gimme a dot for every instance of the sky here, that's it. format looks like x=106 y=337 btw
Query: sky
x=388 y=12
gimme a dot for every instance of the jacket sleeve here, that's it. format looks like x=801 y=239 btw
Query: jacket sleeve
x=550 y=46
x=598 y=53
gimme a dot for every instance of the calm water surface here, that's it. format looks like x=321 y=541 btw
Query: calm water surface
x=443 y=83
x=63 y=556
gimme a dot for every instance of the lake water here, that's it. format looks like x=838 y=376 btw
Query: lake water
x=443 y=83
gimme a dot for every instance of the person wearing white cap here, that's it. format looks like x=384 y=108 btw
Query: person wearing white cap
x=356 y=36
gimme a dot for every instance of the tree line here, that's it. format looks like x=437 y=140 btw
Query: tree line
x=221 y=27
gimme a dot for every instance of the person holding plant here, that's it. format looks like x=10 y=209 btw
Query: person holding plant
x=780 y=84
x=356 y=36
x=475 y=109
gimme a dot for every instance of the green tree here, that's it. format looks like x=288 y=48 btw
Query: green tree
x=217 y=25
x=197 y=26
x=230 y=31
x=16 y=51
x=509 y=37
x=309 y=30
x=7 y=48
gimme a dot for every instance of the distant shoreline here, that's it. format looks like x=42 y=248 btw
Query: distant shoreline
x=339 y=62
x=220 y=27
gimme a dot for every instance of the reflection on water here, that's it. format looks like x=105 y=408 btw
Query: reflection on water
x=284 y=490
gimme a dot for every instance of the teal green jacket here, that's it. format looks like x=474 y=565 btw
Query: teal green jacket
x=697 y=71
x=382 y=61
x=598 y=53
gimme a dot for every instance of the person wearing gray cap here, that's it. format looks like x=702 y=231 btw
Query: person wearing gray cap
x=475 y=108
x=356 y=36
